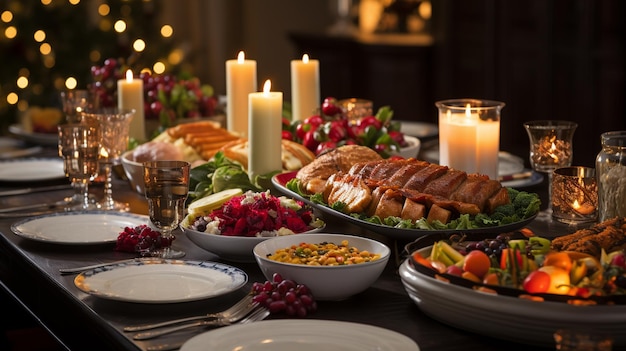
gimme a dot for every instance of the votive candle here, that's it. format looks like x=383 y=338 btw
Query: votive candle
x=265 y=129
x=241 y=80
x=130 y=96
x=305 y=87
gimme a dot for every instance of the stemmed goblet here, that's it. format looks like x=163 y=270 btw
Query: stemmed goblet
x=114 y=125
x=79 y=147
x=167 y=185
x=550 y=147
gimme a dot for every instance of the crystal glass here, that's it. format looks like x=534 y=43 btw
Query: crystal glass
x=113 y=125
x=550 y=147
x=79 y=147
x=574 y=195
x=167 y=185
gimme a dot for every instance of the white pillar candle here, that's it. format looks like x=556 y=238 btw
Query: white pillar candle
x=305 y=87
x=265 y=123
x=130 y=96
x=240 y=81
x=470 y=140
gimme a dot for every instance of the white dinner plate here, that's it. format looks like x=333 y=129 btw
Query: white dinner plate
x=31 y=169
x=77 y=228
x=161 y=281
x=49 y=139
x=13 y=148
x=419 y=129
x=301 y=335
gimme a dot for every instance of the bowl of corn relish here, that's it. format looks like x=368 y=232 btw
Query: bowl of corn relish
x=333 y=266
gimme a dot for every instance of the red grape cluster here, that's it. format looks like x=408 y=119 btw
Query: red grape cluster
x=284 y=295
x=141 y=239
x=104 y=86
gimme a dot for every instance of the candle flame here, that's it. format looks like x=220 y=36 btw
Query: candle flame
x=267 y=86
x=305 y=58
x=576 y=205
x=129 y=76
x=241 y=57
x=552 y=153
x=468 y=110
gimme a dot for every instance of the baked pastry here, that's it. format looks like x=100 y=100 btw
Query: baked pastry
x=294 y=155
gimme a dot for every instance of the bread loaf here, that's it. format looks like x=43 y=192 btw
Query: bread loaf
x=294 y=155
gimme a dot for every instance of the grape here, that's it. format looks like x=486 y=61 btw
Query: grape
x=284 y=296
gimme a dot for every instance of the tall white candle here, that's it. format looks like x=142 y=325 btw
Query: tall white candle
x=130 y=96
x=265 y=123
x=240 y=81
x=469 y=142
x=305 y=87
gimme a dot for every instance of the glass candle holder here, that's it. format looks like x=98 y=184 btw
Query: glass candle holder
x=469 y=135
x=355 y=109
x=574 y=195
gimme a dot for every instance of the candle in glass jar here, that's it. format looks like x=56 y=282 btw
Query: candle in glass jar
x=265 y=123
x=305 y=87
x=241 y=80
x=130 y=96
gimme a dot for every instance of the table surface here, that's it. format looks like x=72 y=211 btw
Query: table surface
x=30 y=270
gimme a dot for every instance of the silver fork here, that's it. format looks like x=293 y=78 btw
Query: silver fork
x=235 y=312
x=257 y=314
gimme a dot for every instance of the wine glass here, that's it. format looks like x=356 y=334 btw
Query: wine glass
x=73 y=102
x=114 y=125
x=79 y=147
x=550 y=147
x=167 y=185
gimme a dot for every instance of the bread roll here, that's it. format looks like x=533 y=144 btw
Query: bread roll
x=294 y=155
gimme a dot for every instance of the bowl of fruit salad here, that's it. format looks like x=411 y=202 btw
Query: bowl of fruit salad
x=333 y=266
x=231 y=223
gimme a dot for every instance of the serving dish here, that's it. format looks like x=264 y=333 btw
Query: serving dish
x=31 y=169
x=77 y=228
x=301 y=335
x=154 y=280
x=507 y=317
x=280 y=182
x=419 y=129
x=326 y=282
x=230 y=248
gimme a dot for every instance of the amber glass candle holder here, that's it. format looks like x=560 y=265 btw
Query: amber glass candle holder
x=574 y=195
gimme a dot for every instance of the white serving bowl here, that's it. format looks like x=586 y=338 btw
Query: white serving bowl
x=231 y=248
x=134 y=172
x=325 y=282
x=412 y=149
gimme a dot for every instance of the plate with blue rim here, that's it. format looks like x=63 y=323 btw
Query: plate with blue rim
x=156 y=280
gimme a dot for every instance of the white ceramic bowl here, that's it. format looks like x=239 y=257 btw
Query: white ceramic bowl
x=231 y=248
x=325 y=282
x=134 y=172
x=412 y=149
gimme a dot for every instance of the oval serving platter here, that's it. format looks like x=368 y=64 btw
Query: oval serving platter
x=280 y=182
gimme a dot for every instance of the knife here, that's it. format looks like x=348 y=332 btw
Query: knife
x=23 y=191
x=94 y=266
x=33 y=206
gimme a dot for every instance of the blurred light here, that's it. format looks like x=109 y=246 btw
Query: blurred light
x=10 y=32
x=24 y=72
x=175 y=57
x=158 y=68
x=45 y=49
x=71 y=83
x=22 y=105
x=125 y=10
x=46 y=2
x=39 y=36
x=146 y=70
x=104 y=25
x=22 y=82
x=120 y=26
x=49 y=61
x=104 y=9
x=95 y=56
x=167 y=31
x=7 y=16
x=74 y=2
x=59 y=83
x=139 y=45
x=425 y=10
x=12 y=98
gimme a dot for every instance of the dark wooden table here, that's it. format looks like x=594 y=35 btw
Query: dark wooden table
x=30 y=271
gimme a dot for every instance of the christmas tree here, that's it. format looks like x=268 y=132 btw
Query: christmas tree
x=48 y=46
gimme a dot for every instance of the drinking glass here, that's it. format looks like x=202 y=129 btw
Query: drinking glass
x=113 y=125
x=550 y=147
x=79 y=147
x=167 y=185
